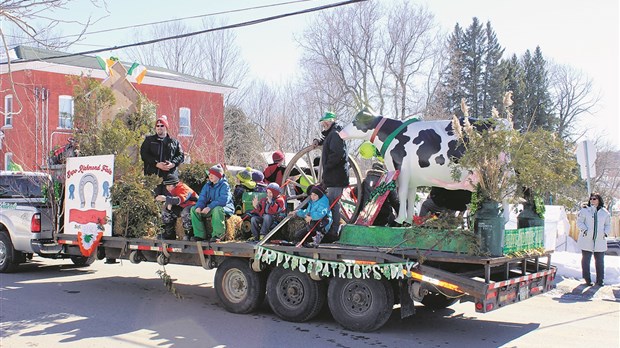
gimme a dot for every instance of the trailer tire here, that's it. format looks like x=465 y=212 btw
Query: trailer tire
x=8 y=254
x=360 y=304
x=294 y=296
x=435 y=300
x=135 y=257
x=162 y=260
x=82 y=261
x=240 y=289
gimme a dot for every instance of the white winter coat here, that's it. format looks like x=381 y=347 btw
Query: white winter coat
x=588 y=239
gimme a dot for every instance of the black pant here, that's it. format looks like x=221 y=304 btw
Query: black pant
x=599 y=264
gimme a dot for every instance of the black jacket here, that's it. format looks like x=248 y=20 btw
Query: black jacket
x=334 y=158
x=155 y=149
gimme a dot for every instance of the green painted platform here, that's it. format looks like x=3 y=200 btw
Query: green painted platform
x=439 y=240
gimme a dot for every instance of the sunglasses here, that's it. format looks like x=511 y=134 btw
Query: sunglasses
x=593 y=199
x=159 y=125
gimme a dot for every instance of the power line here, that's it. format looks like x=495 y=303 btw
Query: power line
x=173 y=20
x=180 y=36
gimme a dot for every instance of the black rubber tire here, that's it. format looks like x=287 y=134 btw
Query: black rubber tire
x=83 y=261
x=135 y=257
x=294 y=296
x=239 y=289
x=435 y=300
x=162 y=260
x=360 y=304
x=8 y=254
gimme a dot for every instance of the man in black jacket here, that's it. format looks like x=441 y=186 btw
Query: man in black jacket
x=161 y=154
x=335 y=167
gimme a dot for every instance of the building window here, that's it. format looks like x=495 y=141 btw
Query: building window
x=185 y=121
x=65 y=111
x=8 y=111
x=8 y=159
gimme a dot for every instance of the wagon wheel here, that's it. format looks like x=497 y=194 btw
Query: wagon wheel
x=301 y=176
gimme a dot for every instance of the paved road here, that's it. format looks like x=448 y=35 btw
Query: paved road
x=53 y=304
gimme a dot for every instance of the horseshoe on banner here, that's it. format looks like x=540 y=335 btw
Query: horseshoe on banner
x=88 y=178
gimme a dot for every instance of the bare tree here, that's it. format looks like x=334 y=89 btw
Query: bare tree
x=410 y=54
x=39 y=20
x=364 y=55
x=178 y=55
x=574 y=96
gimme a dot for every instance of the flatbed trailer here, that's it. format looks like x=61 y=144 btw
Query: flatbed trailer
x=360 y=284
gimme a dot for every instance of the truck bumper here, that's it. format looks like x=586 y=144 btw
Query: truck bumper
x=45 y=248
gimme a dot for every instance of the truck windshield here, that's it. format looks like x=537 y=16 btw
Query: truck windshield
x=22 y=187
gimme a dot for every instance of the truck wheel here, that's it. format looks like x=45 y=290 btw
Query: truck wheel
x=7 y=254
x=293 y=296
x=240 y=289
x=162 y=260
x=135 y=257
x=360 y=304
x=435 y=300
x=82 y=261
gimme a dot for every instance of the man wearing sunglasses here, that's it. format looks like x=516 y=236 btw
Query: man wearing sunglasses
x=161 y=154
x=594 y=224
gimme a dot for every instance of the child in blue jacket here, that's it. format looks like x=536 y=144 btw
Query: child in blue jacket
x=317 y=215
x=215 y=201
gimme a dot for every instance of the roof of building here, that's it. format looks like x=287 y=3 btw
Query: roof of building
x=28 y=54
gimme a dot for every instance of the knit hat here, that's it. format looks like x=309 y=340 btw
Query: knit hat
x=258 y=176
x=245 y=178
x=318 y=190
x=216 y=170
x=277 y=157
x=164 y=120
x=171 y=179
x=329 y=116
x=274 y=188
x=378 y=166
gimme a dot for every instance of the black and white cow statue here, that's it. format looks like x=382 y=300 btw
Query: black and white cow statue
x=421 y=150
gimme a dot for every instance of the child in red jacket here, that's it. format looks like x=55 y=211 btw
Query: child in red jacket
x=268 y=212
x=177 y=204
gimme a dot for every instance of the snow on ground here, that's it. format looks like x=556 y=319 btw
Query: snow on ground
x=569 y=265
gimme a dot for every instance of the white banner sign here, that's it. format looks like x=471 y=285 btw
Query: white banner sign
x=88 y=208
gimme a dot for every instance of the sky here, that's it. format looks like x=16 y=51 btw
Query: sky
x=584 y=35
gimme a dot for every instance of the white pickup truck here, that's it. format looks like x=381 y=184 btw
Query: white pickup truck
x=27 y=221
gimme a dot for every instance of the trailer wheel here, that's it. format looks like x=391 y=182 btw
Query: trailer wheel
x=135 y=257
x=82 y=261
x=7 y=254
x=240 y=289
x=435 y=300
x=360 y=304
x=162 y=260
x=294 y=296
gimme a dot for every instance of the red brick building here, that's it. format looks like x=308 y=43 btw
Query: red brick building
x=37 y=106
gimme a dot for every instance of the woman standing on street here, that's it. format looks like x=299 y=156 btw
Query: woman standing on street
x=594 y=223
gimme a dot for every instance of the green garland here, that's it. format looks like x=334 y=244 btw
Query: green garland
x=348 y=270
x=381 y=189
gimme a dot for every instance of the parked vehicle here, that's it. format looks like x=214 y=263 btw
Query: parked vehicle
x=27 y=225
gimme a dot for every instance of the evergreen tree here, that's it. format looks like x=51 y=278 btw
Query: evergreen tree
x=242 y=144
x=473 y=71
x=536 y=98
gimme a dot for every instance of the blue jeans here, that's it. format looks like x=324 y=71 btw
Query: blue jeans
x=261 y=225
x=599 y=264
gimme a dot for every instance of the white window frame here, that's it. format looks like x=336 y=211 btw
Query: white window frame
x=8 y=111
x=65 y=122
x=185 y=116
x=8 y=158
